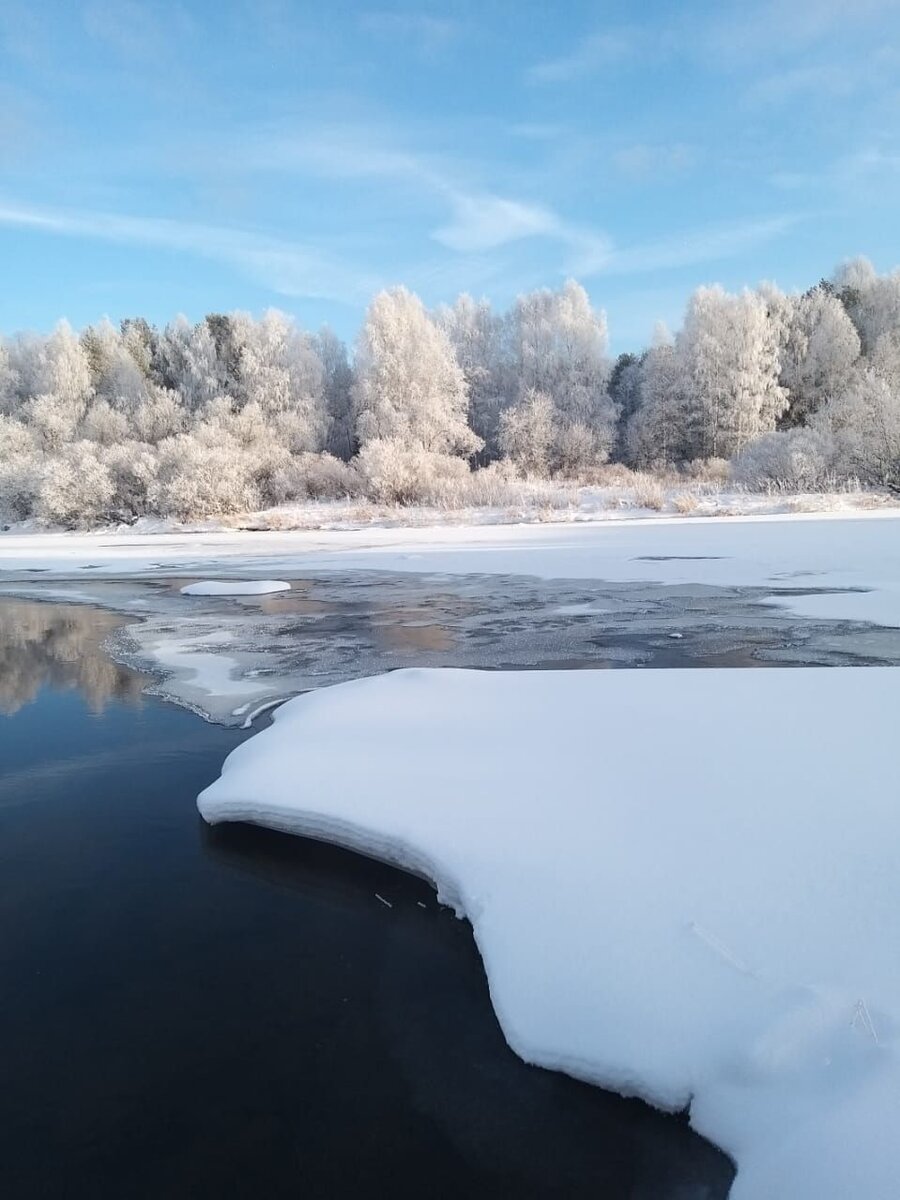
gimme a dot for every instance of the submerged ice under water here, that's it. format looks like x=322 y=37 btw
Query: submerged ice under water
x=201 y=1013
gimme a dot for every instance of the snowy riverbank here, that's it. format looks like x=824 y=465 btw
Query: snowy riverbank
x=711 y=924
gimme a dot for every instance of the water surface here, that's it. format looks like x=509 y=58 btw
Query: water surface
x=194 y=1012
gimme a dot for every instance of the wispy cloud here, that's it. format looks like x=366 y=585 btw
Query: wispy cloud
x=480 y=219
x=643 y=161
x=289 y=268
x=429 y=33
x=688 y=249
x=871 y=174
x=485 y=222
x=538 y=131
x=826 y=81
x=135 y=30
x=592 y=54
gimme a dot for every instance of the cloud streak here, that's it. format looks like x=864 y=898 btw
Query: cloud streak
x=480 y=219
x=687 y=249
x=428 y=32
x=591 y=55
x=289 y=268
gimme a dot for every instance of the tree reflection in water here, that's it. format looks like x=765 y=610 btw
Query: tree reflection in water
x=60 y=645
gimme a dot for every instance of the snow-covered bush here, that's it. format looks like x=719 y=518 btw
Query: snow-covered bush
x=75 y=487
x=19 y=470
x=327 y=477
x=526 y=433
x=54 y=420
x=314 y=477
x=865 y=424
x=798 y=460
x=132 y=467
x=161 y=414
x=707 y=470
x=104 y=424
x=648 y=492
x=195 y=479
x=394 y=473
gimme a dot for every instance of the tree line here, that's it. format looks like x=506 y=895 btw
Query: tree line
x=235 y=413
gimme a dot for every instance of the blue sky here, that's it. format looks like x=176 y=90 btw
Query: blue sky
x=196 y=156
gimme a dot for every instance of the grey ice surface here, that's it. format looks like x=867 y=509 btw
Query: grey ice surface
x=230 y=658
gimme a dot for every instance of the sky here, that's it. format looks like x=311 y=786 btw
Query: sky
x=195 y=156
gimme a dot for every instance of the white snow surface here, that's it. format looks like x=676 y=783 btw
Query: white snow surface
x=235 y=587
x=202 y=663
x=858 y=554
x=714 y=923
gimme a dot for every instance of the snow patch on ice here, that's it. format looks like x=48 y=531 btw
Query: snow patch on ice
x=235 y=587
x=199 y=663
x=712 y=923
x=881 y=605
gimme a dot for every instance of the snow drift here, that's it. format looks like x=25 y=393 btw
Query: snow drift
x=684 y=884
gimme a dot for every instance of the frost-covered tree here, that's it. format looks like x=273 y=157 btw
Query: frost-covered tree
x=19 y=469
x=53 y=384
x=528 y=432
x=819 y=354
x=659 y=430
x=337 y=382
x=228 y=351
x=864 y=421
x=234 y=412
x=279 y=370
x=482 y=344
x=408 y=384
x=559 y=344
x=625 y=392
x=117 y=377
x=55 y=367
x=872 y=300
x=141 y=340
x=8 y=390
x=185 y=361
x=728 y=351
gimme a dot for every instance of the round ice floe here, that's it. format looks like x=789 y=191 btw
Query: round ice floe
x=235 y=587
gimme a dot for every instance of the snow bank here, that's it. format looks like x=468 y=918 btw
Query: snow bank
x=235 y=587
x=715 y=922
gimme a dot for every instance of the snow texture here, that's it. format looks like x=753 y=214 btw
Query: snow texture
x=712 y=924
x=235 y=587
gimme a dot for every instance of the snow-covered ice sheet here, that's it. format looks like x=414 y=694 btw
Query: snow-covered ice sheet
x=715 y=922
x=235 y=587
x=845 y=552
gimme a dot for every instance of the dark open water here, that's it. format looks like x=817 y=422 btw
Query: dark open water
x=232 y=1013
